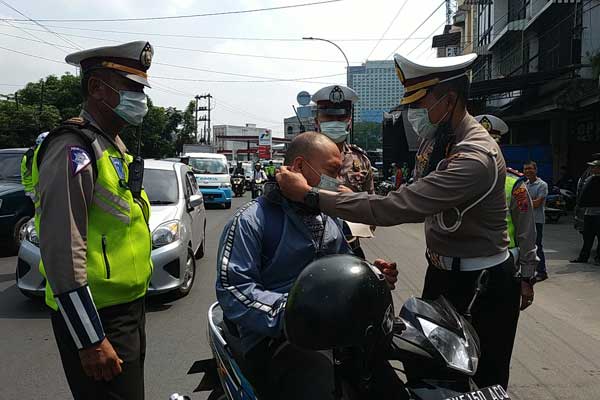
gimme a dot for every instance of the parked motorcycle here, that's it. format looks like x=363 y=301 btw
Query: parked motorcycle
x=238 y=185
x=556 y=206
x=437 y=346
x=257 y=188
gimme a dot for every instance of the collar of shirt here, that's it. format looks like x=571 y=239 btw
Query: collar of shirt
x=88 y=117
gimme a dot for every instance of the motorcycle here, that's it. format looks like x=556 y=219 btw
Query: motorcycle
x=238 y=185
x=556 y=206
x=257 y=188
x=437 y=346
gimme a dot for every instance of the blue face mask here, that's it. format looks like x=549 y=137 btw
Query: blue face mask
x=335 y=130
x=132 y=107
x=326 y=182
x=421 y=123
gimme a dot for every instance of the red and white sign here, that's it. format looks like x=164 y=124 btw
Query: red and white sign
x=264 y=152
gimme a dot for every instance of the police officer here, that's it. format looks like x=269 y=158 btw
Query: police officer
x=459 y=193
x=26 y=163
x=520 y=219
x=92 y=218
x=270 y=171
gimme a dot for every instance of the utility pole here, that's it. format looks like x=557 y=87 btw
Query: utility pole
x=206 y=136
x=196 y=118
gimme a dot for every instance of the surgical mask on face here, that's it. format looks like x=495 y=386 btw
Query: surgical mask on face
x=335 y=130
x=326 y=182
x=419 y=119
x=132 y=107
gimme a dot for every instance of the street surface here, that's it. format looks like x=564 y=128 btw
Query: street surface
x=557 y=355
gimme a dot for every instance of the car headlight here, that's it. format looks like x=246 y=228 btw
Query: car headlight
x=225 y=185
x=29 y=233
x=165 y=233
x=459 y=353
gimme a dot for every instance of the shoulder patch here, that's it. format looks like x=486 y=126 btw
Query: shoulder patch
x=356 y=148
x=76 y=121
x=79 y=159
x=522 y=198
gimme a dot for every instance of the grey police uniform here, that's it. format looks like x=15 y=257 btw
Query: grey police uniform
x=462 y=201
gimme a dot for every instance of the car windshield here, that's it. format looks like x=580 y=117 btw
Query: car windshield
x=10 y=165
x=208 y=165
x=161 y=186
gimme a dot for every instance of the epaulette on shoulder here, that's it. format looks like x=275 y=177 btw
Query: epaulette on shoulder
x=76 y=121
x=359 y=149
x=515 y=172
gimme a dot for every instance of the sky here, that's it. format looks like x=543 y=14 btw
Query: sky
x=193 y=66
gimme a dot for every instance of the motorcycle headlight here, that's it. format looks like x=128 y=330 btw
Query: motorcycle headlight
x=460 y=354
x=29 y=233
x=165 y=233
x=225 y=185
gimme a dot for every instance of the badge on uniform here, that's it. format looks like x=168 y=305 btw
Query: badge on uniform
x=79 y=159
x=118 y=164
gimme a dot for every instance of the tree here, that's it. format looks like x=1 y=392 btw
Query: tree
x=19 y=126
x=64 y=93
x=187 y=134
x=368 y=135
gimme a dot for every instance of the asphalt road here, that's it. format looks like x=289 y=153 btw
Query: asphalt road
x=557 y=355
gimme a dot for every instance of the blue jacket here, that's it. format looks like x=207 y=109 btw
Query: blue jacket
x=253 y=280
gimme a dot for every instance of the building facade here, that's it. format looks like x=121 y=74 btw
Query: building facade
x=292 y=127
x=378 y=88
x=231 y=140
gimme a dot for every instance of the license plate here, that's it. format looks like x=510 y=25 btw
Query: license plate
x=496 y=392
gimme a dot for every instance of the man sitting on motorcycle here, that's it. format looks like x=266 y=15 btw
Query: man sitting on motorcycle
x=239 y=169
x=263 y=249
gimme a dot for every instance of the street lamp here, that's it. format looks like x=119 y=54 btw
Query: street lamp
x=347 y=69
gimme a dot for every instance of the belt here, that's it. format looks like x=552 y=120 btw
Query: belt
x=515 y=253
x=466 y=264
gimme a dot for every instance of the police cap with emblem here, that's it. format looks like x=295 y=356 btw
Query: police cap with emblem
x=335 y=100
x=494 y=125
x=418 y=77
x=130 y=60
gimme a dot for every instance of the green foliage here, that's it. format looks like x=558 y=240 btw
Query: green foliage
x=368 y=135
x=41 y=106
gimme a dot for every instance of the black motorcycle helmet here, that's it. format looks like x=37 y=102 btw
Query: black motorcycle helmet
x=339 y=301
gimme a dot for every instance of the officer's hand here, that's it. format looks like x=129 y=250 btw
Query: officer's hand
x=101 y=361
x=344 y=189
x=526 y=295
x=292 y=184
x=388 y=269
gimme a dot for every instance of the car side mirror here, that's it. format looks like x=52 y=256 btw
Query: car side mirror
x=194 y=201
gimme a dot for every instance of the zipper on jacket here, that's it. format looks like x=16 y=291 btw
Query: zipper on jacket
x=106 y=263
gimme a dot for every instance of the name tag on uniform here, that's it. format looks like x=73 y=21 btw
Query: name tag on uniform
x=118 y=164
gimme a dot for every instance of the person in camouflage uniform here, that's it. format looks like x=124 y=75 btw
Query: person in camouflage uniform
x=333 y=119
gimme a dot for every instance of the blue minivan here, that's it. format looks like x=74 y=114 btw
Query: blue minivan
x=212 y=175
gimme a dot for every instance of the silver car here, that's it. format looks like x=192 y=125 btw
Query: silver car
x=177 y=223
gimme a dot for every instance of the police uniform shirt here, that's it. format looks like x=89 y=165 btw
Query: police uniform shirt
x=465 y=175
x=356 y=172
x=521 y=212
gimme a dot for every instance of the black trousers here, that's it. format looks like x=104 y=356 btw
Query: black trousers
x=591 y=230
x=124 y=326
x=284 y=371
x=494 y=315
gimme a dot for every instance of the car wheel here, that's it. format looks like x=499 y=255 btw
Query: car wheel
x=227 y=205
x=189 y=273
x=17 y=232
x=200 y=251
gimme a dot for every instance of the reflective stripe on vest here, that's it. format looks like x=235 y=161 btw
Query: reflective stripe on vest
x=118 y=257
x=509 y=186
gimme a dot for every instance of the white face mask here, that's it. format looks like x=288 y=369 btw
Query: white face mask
x=326 y=182
x=419 y=119
x=335 y=130
x=132 y=107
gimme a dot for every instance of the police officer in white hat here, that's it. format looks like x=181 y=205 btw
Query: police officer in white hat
x=459 y=193
x=92 y=217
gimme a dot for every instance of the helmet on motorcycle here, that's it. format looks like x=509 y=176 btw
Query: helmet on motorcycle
x=339 y=301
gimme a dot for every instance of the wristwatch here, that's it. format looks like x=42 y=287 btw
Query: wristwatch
x=311 y=198
x=530 y=279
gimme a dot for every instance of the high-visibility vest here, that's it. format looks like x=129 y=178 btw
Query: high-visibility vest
x=26 y=171
x=509 y=186
x=118 y=264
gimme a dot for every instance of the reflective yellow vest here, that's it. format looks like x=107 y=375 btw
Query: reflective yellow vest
x=509 y=186
x=119 y=244
x=26 y=172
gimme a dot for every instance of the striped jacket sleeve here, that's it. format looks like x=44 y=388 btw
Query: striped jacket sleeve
x=239 y=287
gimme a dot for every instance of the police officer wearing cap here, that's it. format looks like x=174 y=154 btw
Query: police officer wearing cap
x=459 y=193
x=92 y=218
x=520 y=219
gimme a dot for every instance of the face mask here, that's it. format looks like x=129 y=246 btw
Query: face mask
x=335 y=130
x=419 y=119
x=326 y=182
x=132 y=106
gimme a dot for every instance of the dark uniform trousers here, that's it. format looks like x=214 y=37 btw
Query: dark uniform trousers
x=124 y=326
x=494 y=315
x=591 y=230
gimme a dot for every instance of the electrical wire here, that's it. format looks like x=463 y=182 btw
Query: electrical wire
x=424 y=40
x=37 y=23
x=32 y=55
x=36 y=38
x=418 y=27
x=388 y=28
x=167 y=17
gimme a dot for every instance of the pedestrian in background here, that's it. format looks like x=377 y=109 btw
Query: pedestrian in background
x=538 y=190
x=590 y=200
x=26 y=163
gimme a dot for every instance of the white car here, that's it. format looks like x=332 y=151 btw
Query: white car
x=177 y=223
